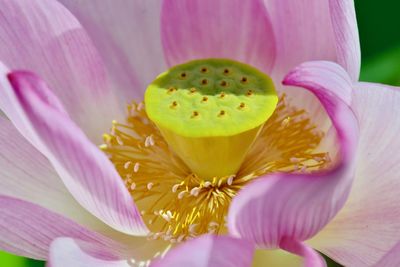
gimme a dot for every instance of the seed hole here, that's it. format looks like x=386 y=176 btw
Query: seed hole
x=224 y=83
x=242 y=105
x=204 y=99
x=171 y=90
x=195 y=114
x=226 y=71
x=244 y=79
x=222 y=113
x=204 y=70
x=193 y=90
x=249 y=92
x=174 y=104
x=222 y=95
x=204 y=82
x=183 y=75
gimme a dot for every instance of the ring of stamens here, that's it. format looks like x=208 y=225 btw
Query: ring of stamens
x=178 y=205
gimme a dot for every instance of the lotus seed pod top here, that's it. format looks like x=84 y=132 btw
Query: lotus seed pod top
x=210 y=112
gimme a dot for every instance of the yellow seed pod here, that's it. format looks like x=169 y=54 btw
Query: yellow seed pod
x=210 y=108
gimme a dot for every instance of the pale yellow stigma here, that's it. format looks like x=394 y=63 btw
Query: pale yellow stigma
x=176 y=203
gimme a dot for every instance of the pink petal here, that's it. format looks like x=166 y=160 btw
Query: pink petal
x=42 y=36
x=308 y=30
x=297 y=206
x=318 y=72
x=344 y=24
x=27 y=229
x=210 y=251
x=12 y=110
x=67 y=252
x=392 y=258
x=368 y=226
x=86 y=171
x=127 y=33
x=27 y=175
x=233 y=29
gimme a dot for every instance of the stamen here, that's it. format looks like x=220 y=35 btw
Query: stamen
x=136 y=167
x=150 y=186
x=127 y=164
x=132 y=186
x=230 y=180
x=175 y=188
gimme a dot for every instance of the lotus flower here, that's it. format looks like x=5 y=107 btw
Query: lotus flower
x=312 y=167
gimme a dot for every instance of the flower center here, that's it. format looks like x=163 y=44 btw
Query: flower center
x=210 y=127
x=210 y=112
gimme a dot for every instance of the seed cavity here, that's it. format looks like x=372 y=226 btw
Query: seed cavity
x=183 y=75
x=171 y=90
x=204 y=70
x=204 y=82
x=174 y=104
x=224 y=83
x=244 y=79
x=195 y=114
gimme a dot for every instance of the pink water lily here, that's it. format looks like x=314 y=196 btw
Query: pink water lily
x=66 y=201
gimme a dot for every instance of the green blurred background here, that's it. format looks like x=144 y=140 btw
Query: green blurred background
x=379 y=28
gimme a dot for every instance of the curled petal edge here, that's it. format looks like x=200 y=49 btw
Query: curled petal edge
x=295 y=207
